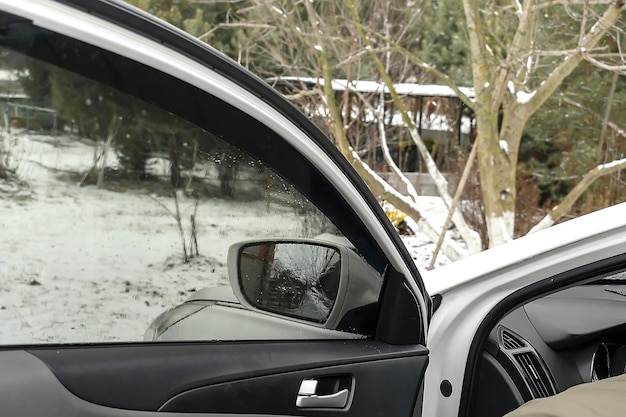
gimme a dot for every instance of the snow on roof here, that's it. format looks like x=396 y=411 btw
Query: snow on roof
x=431 y=121
x=404 y=89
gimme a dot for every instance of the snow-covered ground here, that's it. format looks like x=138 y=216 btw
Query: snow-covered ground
x=80 y=264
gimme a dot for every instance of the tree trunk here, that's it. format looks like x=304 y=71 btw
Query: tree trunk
x=495 y=83
x=175 y=179
x=497 y=180
x=105 y=150
x=498 y=170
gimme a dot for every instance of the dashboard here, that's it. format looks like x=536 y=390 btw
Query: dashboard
x=575 y=336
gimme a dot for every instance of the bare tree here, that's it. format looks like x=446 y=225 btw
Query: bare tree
x=321 y=40
x=519 y=59
x=188 y=251
x=513 y=78
x=104 y=150
x=511 y=83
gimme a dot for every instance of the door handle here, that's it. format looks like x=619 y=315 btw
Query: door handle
x=308 y=399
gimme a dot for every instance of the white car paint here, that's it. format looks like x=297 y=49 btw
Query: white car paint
x=472 y=287
x=251 y=325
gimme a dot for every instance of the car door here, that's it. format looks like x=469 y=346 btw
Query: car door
x=483 y=294
x=134 y=158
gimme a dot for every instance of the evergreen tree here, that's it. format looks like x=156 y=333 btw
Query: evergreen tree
x=445 y=45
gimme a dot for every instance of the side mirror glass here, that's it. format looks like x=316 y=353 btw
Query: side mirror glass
x=296 y=279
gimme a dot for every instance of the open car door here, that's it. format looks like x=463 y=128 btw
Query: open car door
x=135 y=158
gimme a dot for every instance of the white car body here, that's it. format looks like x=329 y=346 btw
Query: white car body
x=471 y=288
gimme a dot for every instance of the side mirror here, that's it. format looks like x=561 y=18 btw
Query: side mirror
x=295 y=279
x=318 y=281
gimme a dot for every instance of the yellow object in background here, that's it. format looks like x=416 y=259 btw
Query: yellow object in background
x=395 y=216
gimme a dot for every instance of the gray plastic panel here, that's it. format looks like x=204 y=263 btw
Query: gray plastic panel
x=28 y=388
x=563 y=323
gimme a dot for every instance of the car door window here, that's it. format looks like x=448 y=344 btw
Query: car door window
x=122 y=190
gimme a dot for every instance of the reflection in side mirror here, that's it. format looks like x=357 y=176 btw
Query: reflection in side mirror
x=300 y=279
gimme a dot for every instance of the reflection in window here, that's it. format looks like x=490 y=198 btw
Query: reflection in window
x=295 y=279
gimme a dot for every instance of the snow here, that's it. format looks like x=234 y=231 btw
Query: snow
x=82 y=264
x=521 y=96
x=9 y=75
x=501 y=230
x=429 y=121
x=432 y=121
x=524 y=97
x=612 y=164
x=504 y=146
x=420 y=246
x=368 y=87
x=511 y=87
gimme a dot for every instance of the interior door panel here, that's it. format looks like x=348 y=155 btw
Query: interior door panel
x=225 y=378
x=374 y=383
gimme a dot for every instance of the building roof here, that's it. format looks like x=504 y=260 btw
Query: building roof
x=368 y=87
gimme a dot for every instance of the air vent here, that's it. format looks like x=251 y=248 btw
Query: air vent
x=521 y=355
x=534 y=375
x=510 y=341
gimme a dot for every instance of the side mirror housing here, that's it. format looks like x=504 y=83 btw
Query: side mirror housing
x=305 y=279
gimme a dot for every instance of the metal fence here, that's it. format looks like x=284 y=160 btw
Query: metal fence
x=30 y=117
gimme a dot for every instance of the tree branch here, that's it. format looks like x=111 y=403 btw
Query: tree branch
x=469 y=236
x=589 y=41
x=234 y=25
x=615 y=128
x=380 y=117
x=619 y=69
x=546 y=4
x=520 y=47
x=304 y=93
x=381 y=189
x=482 y=55
x=455 y=201
x=424 y=66
x=566 y=204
